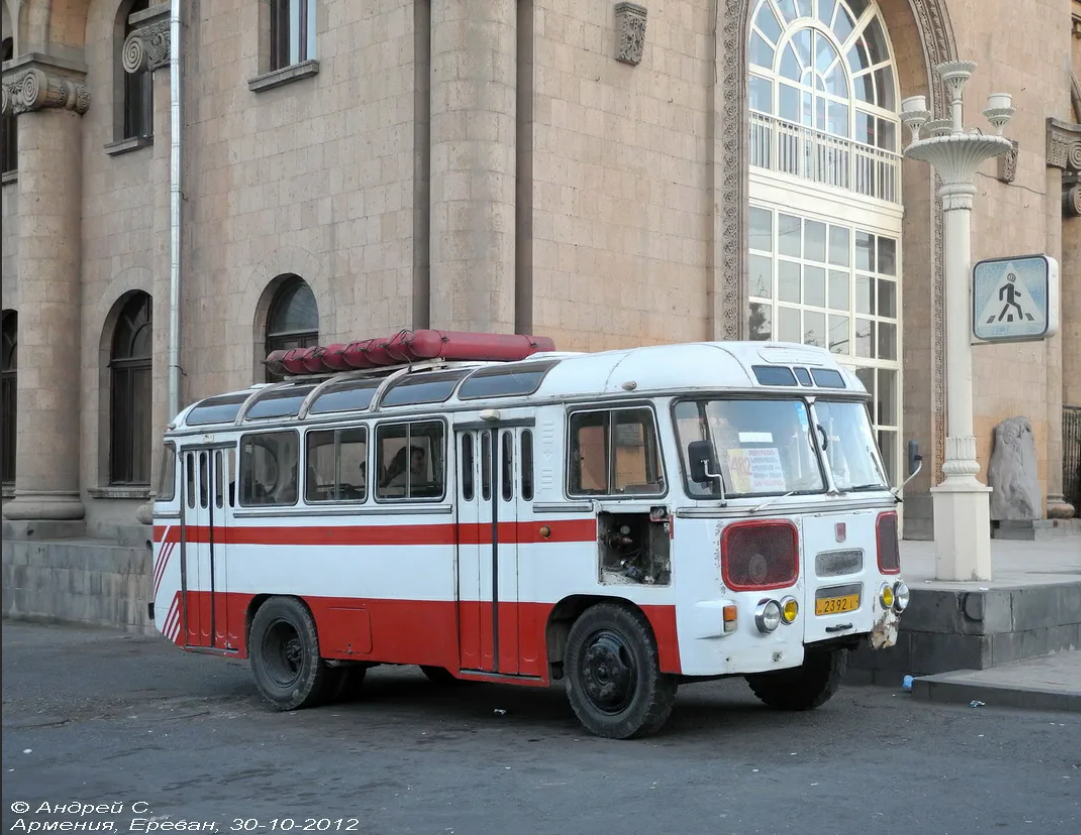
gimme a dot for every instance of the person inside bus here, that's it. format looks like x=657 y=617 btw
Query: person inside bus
x=398 y=475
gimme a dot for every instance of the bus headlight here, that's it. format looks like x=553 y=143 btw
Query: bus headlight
x=789 y=610
x=767 y=616
x=886 y=596
x=900 y=596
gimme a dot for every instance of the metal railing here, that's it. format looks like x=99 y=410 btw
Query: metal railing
x=823 y=158
x=1071 y=456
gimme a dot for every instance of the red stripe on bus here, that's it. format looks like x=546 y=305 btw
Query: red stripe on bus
x=425 y=632
x=564 y=530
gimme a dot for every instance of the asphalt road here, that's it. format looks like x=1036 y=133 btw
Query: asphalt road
x=97 y=717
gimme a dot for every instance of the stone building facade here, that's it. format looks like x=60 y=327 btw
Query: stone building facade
x=605 y=173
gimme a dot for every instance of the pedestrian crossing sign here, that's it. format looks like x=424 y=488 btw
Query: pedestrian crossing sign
x=1015 y=299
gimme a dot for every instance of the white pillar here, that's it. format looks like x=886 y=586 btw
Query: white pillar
x=961 y=502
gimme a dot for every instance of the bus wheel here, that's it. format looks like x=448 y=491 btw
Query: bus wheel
x=805 y=687
x=614 y=682
x=284 y=650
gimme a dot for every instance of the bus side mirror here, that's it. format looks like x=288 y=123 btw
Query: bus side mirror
x=914 y=457
x=703 y=465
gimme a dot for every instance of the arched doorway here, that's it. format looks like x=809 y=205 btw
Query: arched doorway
x=825 y=217
x=131 y=392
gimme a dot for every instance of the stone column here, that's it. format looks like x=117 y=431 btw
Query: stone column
x=473 y=163
x=147 y=50
x=1063 y=166
x=49 y=101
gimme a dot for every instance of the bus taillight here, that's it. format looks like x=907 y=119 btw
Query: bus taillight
x=889 y=550
x=760 y=555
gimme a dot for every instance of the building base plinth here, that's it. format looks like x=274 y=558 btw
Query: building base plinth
x=44 y=506
x=962 y=532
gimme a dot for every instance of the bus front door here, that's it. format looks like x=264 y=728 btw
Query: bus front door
x=488 y=551
x=207 y=476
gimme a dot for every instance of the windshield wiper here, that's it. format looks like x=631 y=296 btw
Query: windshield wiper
x=767 y=503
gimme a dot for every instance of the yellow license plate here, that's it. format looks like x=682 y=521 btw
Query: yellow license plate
x=834 y=605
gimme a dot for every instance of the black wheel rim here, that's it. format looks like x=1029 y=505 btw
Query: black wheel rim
x=283 y=653
x=607 y=671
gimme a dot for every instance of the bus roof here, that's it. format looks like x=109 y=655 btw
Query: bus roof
x=542 y=378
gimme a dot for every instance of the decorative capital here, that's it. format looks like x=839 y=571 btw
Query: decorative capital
x=34 y=89
x=1007 y=164
x=631 y=31
x=1063 y=145
x=1071 y=200
x=147 y=48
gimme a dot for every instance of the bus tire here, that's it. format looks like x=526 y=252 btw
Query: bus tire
x=613 y=677
x=284 y=651
x=806 y=687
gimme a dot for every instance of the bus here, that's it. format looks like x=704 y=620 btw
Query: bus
x=623 y=522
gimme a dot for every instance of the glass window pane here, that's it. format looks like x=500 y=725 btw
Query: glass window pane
x=814 y=243
x=865 y=294
x=839 y=241
x=588 y=465
x=762 y=229
x=294 y=309
x=825 y=11
x=802 y=42
x=865 y=128
x=887 y=397
x=283 y=403
x=466 y=466
x=814 y=329
x=887 y=135
x=867 y=377
x=790 y=67
x=839 y=334
x=788 y=235
x=884 y=83
x=838 y=119
x=424 y=388
x=887 y=445
x=788 y=108
x=887 y=256
x=863 y=87
x=767 y=22
x=761 y=94
x=636 y=468
x=409 y=460
x=807 y=110
x=788 y=281
x=788 y=9
x=761 y=52
x=824 y=53
x=814 y=286
x=346 y=396
x=508 y=381
x=268 y=468
x=887 y=298
x=761 y=276
x=788 y=325
x=838 y=290
x=761 y=325
x=843 y=25
x=865 y=251
x=865 y=338
x=527 y=465
x=887 y=341
x=875 y=38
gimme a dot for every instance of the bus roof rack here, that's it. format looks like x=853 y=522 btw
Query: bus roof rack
x=404 y=349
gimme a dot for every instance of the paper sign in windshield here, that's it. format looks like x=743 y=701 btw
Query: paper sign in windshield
x=756 y=470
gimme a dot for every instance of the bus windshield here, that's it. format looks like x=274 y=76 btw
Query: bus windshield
x=849 y=446
x=763 y=447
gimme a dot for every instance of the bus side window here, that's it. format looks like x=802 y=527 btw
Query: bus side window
x=410 y=460
x=336 y=465
x=614 y=452
x=527 y=465
x=268 y=469
x=167 y=482
x=190 y=479
x=466 y=466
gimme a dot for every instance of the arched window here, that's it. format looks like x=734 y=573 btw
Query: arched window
x=825 y=191
x=8 y=396
x=10 y=137
x=138 y=102
x=293 y=321
x=131 y=392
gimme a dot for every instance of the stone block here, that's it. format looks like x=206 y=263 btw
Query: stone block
x=935 y=653
x=1045 y=606
x=1012 y=473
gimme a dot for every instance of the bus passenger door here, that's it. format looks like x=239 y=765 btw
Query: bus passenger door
x=203 y=547
x=224 y=468
x=487 y=551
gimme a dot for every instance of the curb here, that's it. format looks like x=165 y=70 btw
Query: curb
x=945 y=688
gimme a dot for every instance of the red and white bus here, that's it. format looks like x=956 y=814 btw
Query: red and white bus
x=493 y=510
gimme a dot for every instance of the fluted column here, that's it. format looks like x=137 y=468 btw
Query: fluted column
x=473 y=163
x=49 y=102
